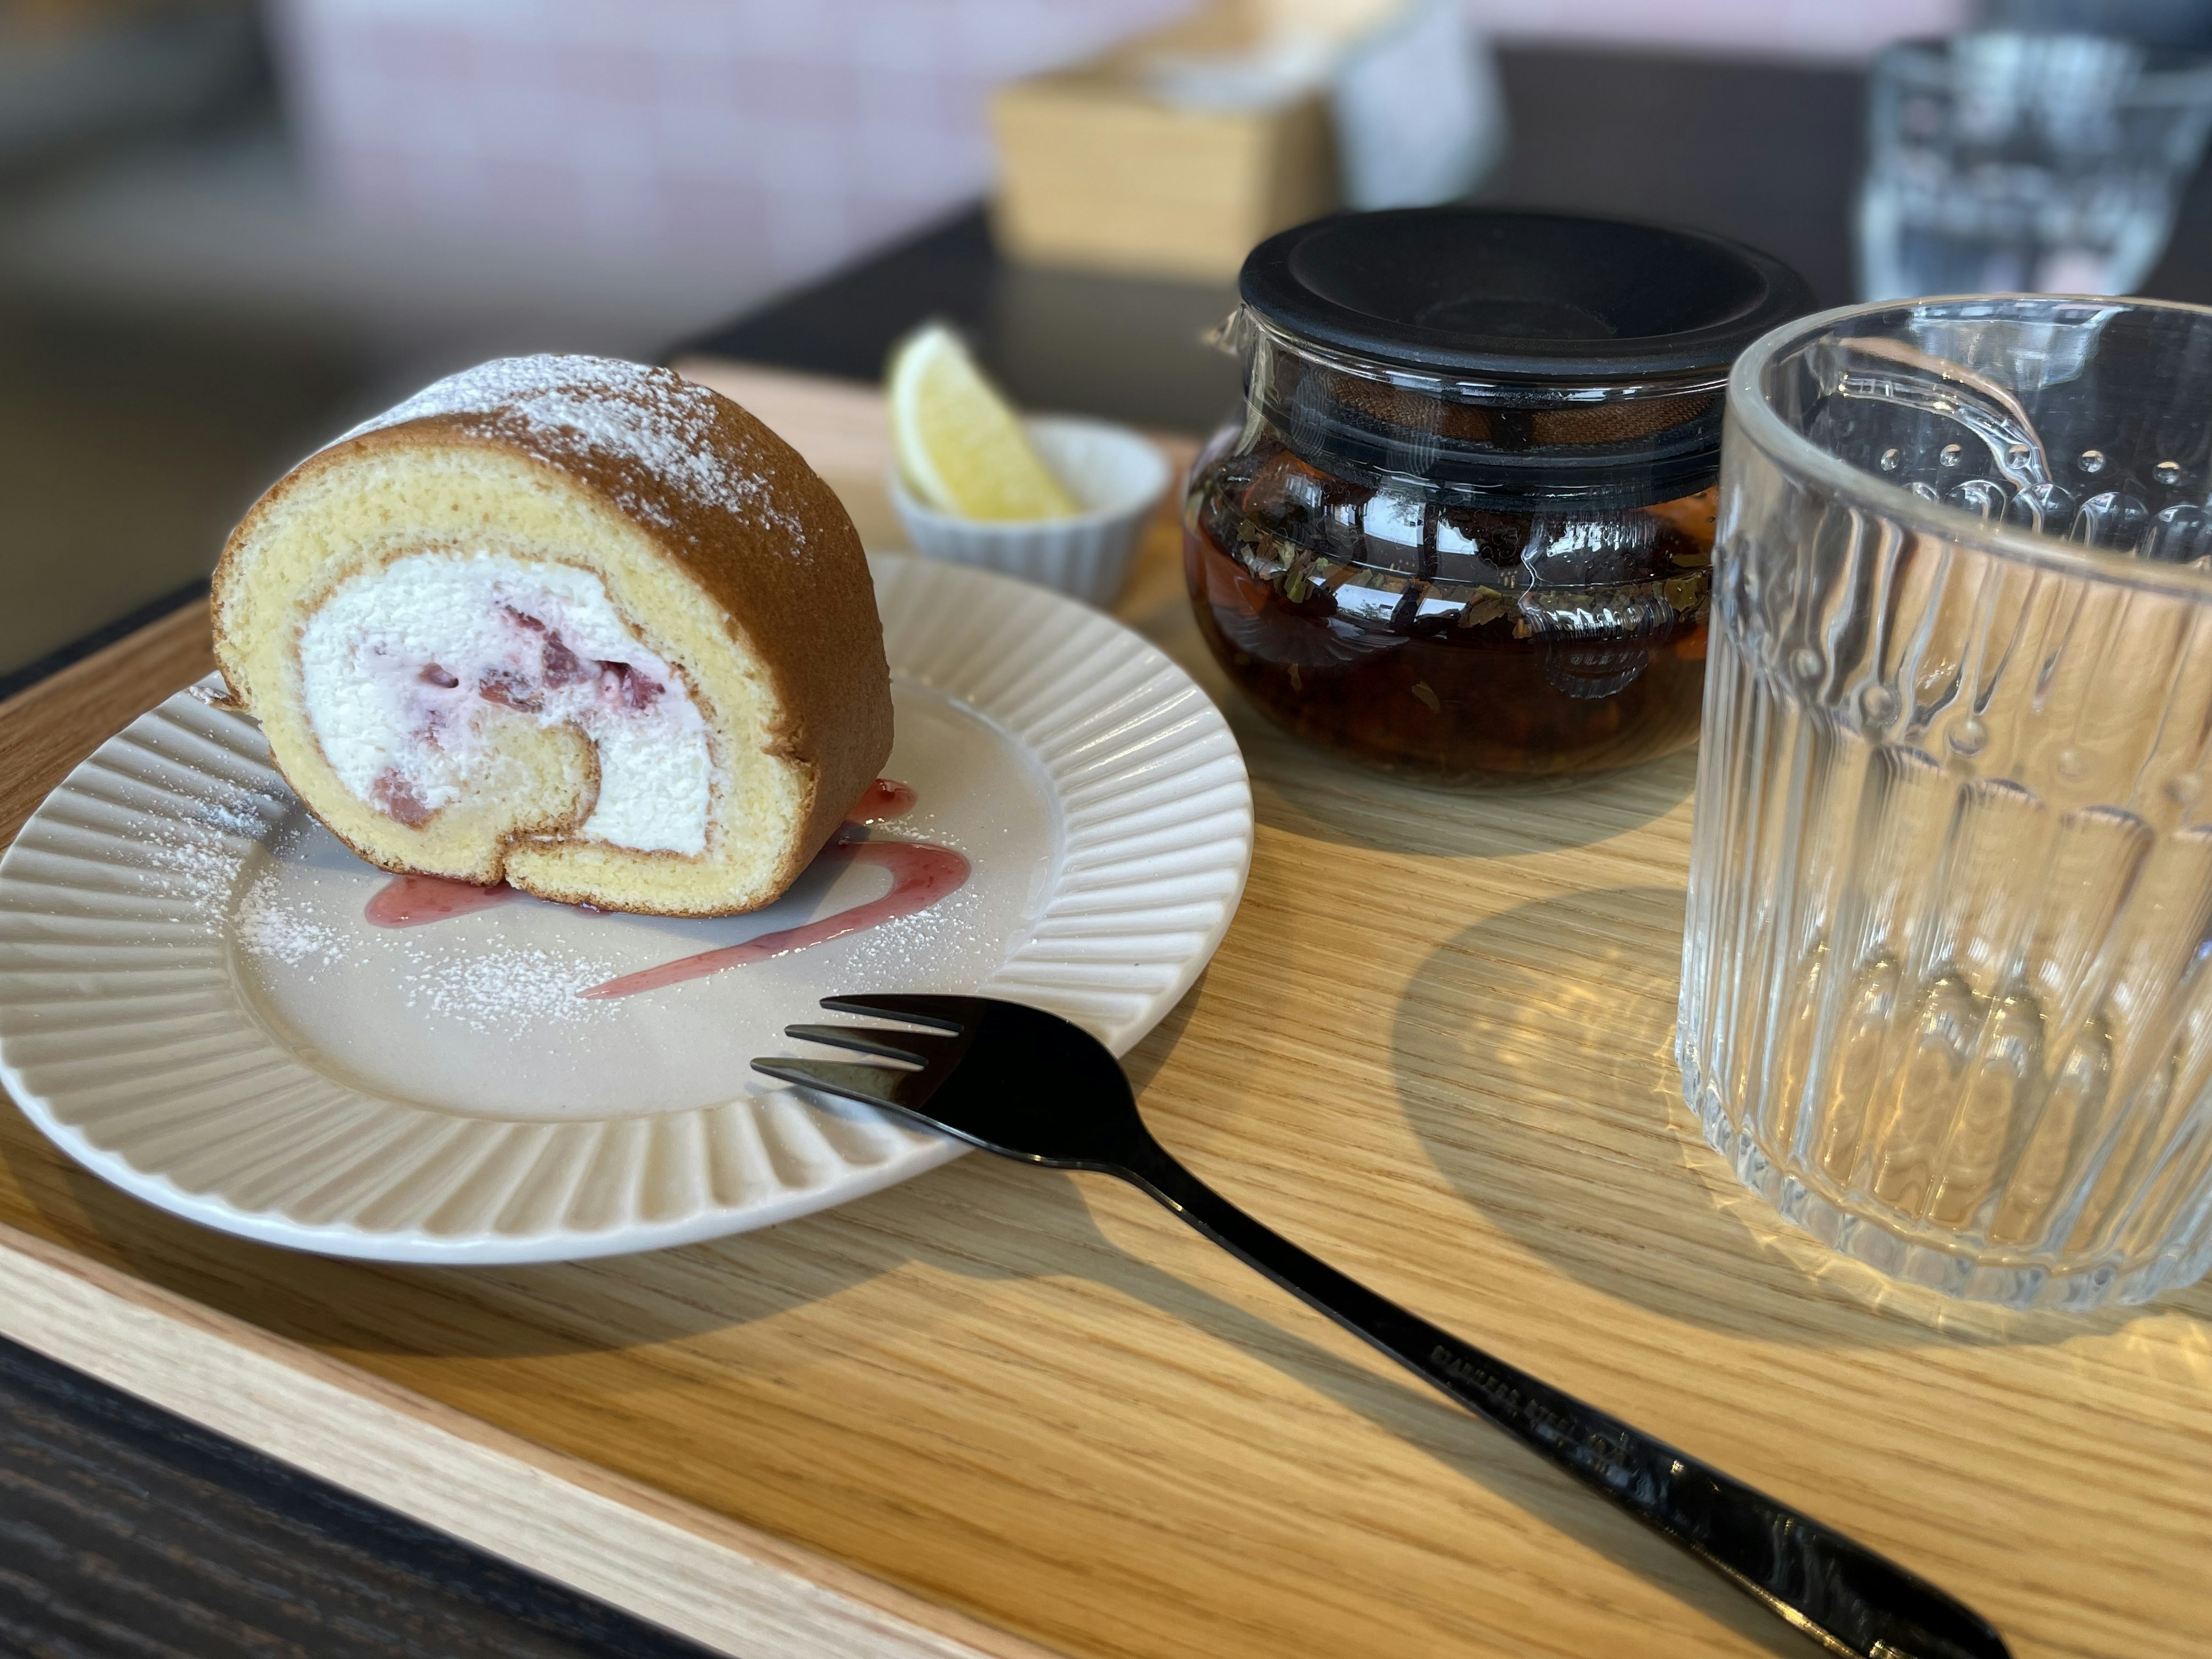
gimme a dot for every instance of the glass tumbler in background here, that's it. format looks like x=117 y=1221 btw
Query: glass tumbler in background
x=2003 y=162
x=1946 y=998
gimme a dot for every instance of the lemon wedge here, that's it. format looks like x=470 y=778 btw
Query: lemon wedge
x=960 y=444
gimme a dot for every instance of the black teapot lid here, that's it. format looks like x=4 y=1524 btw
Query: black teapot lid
x=1507 y=358
x=1504 y=294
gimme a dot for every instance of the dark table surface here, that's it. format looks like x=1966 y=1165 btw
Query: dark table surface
x=123 y=1530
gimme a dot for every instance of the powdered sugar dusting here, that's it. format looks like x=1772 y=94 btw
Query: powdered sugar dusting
x=269 y=927
x=567 y=409
x=193 y=856
x=496 y=990
x=478 y=978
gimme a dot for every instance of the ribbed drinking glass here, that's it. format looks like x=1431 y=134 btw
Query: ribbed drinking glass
x=1945 y=998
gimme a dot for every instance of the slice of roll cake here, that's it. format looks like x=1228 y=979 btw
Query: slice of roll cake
x=577 y=624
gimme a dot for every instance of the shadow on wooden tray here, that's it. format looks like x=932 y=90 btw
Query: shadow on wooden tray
x=1534 y=1058
x=1296 y=788
x=1299 y=788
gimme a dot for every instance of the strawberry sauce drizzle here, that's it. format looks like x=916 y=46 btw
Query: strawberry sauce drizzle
x=921 y=873
x=410 y=901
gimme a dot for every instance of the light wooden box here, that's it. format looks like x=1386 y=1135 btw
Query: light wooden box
x=1095 y=175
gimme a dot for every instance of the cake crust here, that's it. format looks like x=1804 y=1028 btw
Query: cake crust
x=735 y=510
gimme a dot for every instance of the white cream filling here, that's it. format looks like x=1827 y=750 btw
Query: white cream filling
x=518 y=640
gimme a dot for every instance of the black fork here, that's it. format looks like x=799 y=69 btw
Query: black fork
x=1027 y=1085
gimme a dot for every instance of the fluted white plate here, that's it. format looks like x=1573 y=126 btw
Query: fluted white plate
x=194 y=1006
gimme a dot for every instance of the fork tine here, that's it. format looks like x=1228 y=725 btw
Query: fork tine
x=945 y=1013
x=875 y=1086
x=919 y=1047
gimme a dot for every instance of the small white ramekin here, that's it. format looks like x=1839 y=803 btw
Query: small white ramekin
x=1117 y=475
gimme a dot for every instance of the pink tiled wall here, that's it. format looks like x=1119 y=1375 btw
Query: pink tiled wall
x=772 y=138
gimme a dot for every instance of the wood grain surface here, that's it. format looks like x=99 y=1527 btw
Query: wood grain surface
x=1435 y=1047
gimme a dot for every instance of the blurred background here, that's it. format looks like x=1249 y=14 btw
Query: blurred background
x=228 y=229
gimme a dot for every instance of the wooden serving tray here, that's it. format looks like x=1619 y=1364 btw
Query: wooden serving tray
x=999 y=1412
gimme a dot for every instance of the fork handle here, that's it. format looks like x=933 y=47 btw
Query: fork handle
x=1841 y=1594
